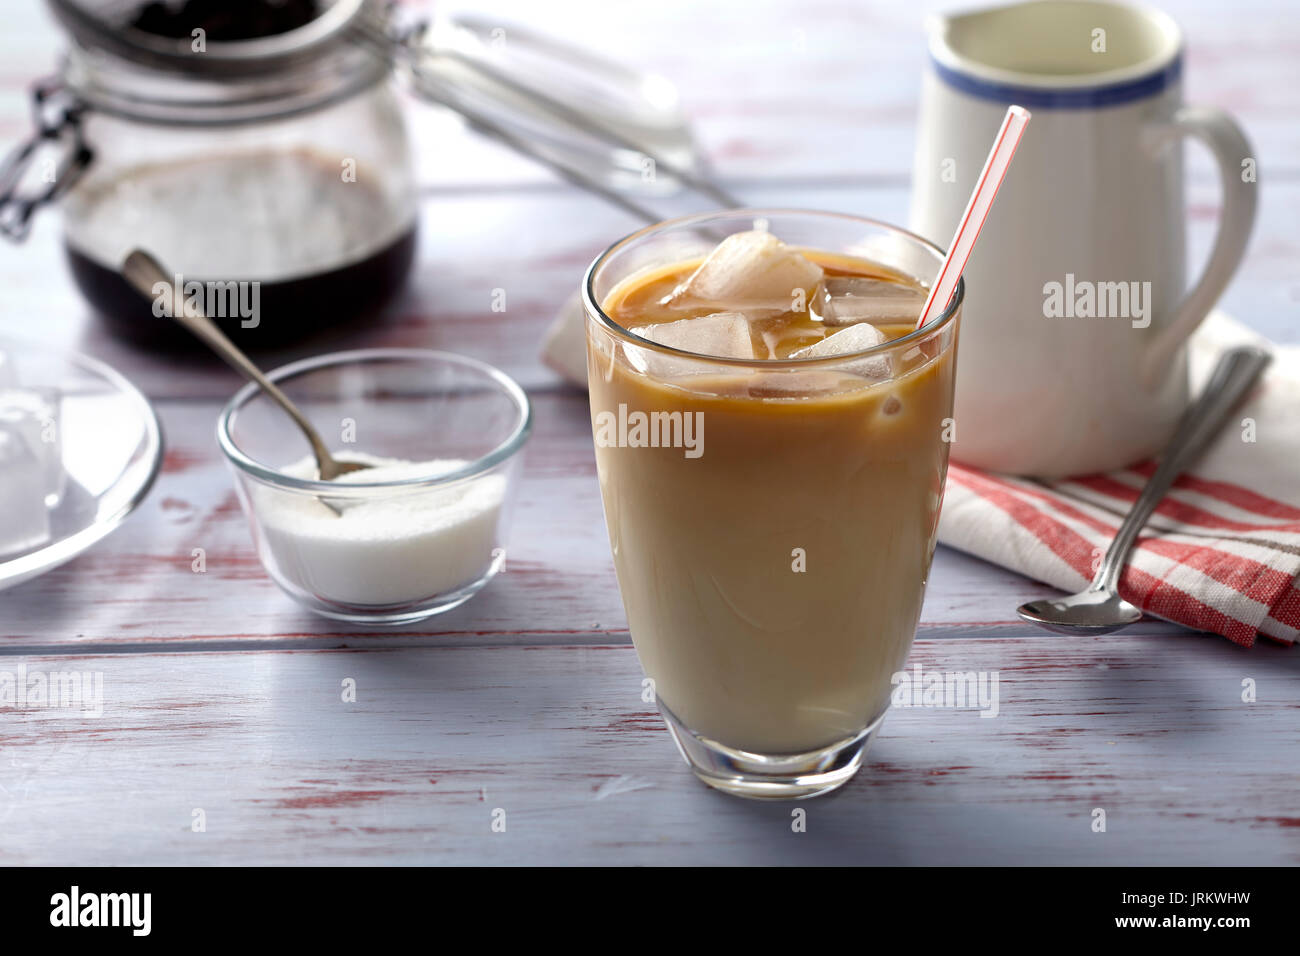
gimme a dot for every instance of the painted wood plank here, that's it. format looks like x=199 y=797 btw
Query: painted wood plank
x=1152 y=730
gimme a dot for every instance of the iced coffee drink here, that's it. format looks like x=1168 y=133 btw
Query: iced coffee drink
x=771 y=441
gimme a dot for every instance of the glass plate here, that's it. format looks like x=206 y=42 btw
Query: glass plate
x=111 y=446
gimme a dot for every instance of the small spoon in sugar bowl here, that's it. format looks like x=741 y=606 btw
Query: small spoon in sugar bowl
x=145 y=273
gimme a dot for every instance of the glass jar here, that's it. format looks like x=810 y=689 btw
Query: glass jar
x=272 y=171
x=273 y=175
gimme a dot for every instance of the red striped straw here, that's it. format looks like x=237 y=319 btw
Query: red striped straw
x=977 y=210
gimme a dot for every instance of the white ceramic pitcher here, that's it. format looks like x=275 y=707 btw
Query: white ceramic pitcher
x=1072 y=355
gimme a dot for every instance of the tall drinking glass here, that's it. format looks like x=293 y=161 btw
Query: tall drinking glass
x=772 y=521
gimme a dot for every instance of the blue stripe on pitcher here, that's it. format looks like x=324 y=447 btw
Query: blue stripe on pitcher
x=1072 y=98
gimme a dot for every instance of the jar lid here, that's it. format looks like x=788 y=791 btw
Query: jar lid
x=111 y=26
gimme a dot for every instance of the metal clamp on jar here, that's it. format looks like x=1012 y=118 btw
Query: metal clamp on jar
x=267 y=158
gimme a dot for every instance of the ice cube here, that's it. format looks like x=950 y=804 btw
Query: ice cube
x=844 y=300
x=855 y=338
x=33 y=415
x=24 y=520
x=747 y=271
x=799 y=383
x=723 y=334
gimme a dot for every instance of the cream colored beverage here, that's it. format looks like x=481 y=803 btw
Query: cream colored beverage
x=771 y=510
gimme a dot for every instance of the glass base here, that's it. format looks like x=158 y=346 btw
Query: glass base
x=770 y=777
x=390 y=615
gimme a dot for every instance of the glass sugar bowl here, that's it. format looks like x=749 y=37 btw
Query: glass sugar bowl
x=419 y=532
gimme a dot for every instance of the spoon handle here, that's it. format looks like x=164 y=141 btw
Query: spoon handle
x=1234 y=375
x=144 y=272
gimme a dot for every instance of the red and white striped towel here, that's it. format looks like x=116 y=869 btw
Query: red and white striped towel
x=1221 y=553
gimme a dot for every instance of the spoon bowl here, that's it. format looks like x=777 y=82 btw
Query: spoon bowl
x=1089 y=612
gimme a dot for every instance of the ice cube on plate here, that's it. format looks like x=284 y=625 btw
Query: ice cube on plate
x=749 y=270
x=24 y=519
x=723 y=334
x=855 y=338
x=8 y=375
x=33 y=415
x=844 y=300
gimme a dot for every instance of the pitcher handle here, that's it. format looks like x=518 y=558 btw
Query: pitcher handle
x=1233 y=154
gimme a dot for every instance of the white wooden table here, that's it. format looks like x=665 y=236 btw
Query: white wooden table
x=222 y=696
